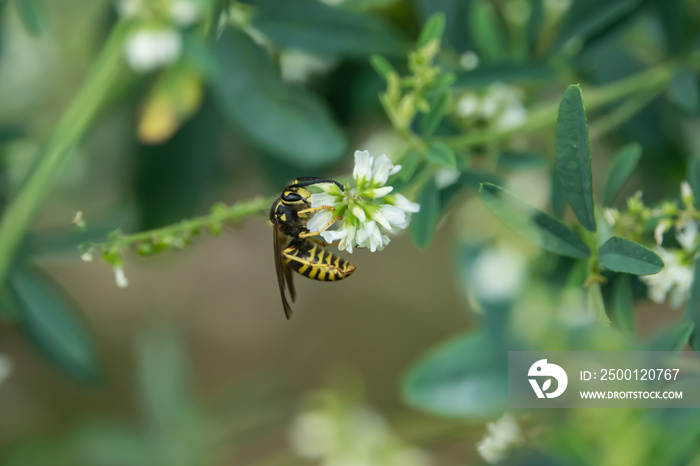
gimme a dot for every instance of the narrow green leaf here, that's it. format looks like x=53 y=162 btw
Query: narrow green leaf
x=557 y=195
x=33 y=15
x=589 y=17
x=486 y=31
x=324 y=29
x=424 y=222
x=432 y=119
x=621 y=167
x=381 y=65
x=683 y=91
x=440 y=155
x=433 y=29
x=289 y=122
x=525 y=219
x=692 y=308
x=574 y=157
x=462 y=378
x=673 y=338
x=622 y=311
x=51 y=322
x=622 y=255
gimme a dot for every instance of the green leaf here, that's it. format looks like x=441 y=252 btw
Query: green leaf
x=487 y=73
x=574 y=157
x=683 y=91
x=52 y=323
x=692 y=308
x=289 y=122
x=33 y=15
x=462 y=377
x=622 y=311
x=409 y=163
x=557 y=195
x=589 y=17
x=514 y=160
x=319 y=28
x=694 y=179
x=423 y=223
x=486 y=31
x=525 y=219
x=440 y=155
x=381 y=65
x=432 y=119
x=621 y=167
x=622 y=255
x=433 y=29
x=673 y=338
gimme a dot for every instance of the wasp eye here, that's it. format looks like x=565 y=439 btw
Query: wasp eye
x=291 y=197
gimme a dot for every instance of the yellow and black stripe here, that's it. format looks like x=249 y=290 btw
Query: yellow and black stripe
x=314 y=262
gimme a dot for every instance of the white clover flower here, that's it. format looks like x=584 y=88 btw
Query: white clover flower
x=500 y=106
x=498 y=274
x=185 y=13
x=469 y=60
x=368 y=209
x=501 y=436
x=5 y=367
x=673 y=281
x=445 y=177
x=148 y=49
x=686 y=232
x=468 y=105
x=119 y=277
x=86 y=256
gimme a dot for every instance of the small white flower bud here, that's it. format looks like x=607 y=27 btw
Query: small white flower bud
x=119 y=277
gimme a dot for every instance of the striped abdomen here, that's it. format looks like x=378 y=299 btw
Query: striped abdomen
x=312 y=261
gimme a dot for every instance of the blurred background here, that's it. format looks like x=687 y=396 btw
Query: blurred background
x=202 y=102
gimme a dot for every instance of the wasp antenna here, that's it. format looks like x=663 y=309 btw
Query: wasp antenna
x=311 y=180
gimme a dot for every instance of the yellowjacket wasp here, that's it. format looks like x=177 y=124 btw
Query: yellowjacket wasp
x=295 y=248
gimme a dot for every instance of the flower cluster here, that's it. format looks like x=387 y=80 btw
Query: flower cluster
x=501 y=436
x=157 y=41
x=500 y=106
x=368 y=211
x=337 y=432
x=674 y=281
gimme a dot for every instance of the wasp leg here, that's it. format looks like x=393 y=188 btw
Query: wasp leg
x=306 y=212
x=306 y=234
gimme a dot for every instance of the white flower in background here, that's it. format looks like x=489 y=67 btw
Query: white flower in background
x=469 y=60
x=673 y=281
x=368 y=210
x=686 y=232
x=298 y=66
x=86 y=257
x=501 y=437
x=337 y=432
x=445 y=177
x=119 y=277
x=147 y=49
x=610 y=214
x=500 y=106
x=5 y=367
x=498 y=274
x=157 y=40
x=659 y=231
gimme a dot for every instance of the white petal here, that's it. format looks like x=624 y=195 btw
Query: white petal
x=380 y=219
x=394 y=215
x=380 y=192
x=319 y=220
x=323 y=199
x=363 y=166
x=404 y=204
x=120 y=278
x=147 y=50
x=381 y=169
x=359 y=213
x=659 y=231
x=468 y=105
x=609 y=215
x=395 y=170
x=686 y=234
x=331 y=236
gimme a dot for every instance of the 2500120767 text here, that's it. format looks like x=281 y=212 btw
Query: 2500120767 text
x=639 y=374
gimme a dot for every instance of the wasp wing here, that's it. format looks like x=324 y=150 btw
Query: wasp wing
x=282 y=272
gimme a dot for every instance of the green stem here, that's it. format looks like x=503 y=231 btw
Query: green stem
x=58 y=149
x=595 y=98
x=186 y=228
